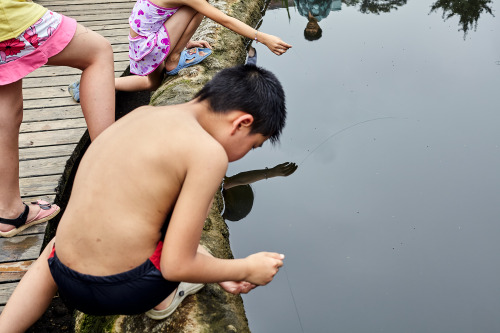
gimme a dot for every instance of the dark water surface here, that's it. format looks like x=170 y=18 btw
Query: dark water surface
x=391 y=222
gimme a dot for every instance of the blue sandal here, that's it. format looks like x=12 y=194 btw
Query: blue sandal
x=188 y=55
x=74 y=90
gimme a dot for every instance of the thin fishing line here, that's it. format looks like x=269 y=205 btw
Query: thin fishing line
x=338 y=132
x=293 y=298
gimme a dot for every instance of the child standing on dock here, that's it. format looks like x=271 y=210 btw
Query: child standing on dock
x=132 y=227
x=30 y=37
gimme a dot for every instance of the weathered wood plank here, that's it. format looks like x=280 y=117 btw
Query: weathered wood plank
x=59 y=137
x=41 y=113
x=50 y=125
x=45 y=152
x=38 y=186
x=20 y=248
x=48 y=198
x=44 y=71
x=14 y=271
x=6 y=289
x=42 y=167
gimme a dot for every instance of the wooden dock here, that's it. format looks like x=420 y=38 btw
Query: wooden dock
x=52 y=126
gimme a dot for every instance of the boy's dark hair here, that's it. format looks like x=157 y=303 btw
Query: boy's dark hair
x=250 y=89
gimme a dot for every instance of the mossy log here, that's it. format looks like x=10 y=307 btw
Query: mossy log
x=212 y=309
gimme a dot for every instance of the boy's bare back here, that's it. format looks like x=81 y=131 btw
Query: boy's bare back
x=137 y=169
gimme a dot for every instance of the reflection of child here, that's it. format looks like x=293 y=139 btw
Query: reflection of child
x=238 y=194
x=315 y=11
x=152 y=191
x=31 y=36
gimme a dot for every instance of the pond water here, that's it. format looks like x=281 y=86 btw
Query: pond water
x=391 y=222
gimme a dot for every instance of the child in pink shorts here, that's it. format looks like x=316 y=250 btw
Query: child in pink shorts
x=30 y=37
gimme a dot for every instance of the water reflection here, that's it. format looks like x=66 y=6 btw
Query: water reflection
x=315 y=11
x=468 y=11
x=375 y=6
x=238 y=194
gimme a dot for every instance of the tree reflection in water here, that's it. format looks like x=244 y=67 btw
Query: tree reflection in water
x=468 y=11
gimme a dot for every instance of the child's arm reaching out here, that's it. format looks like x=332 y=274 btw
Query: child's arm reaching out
x=180 y=260
x=275 y=44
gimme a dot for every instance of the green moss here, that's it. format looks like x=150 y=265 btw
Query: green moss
x=93 y=324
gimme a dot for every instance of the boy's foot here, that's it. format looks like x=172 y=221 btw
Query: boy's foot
x=74 y=90
x=184 y=289
x=12 y=227
x=189 y=58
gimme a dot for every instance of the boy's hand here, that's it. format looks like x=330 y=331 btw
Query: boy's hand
x=263 y=266
x=275 y=44
x=237 y=287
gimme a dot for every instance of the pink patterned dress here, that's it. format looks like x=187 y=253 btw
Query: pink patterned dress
x=150 y=48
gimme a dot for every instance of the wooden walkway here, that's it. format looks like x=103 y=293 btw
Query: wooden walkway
x=52 y=126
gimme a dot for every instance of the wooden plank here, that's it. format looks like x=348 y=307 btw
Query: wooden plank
x=58 y=137
x=37 y=113
x=51 y=125
x=45 y=152
x=48 y=198
x=38 y=186
x=59 y=71
x=35 y=82
x=42 y=167
x=6 y=289
x=36 y=229
x=115 y=25
x=20 y=248
x=14 y=271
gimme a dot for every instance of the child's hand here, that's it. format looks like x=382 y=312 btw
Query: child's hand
x=263 y=266
x=197 y=43
x=275 y=44
x=237 y=287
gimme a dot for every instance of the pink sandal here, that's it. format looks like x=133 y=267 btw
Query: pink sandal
x=47 y=211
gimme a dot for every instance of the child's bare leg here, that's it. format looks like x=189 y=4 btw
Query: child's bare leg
x=181 y=27
x=140 y=83
x=93 y=54
x=11 y=116
x=31 y=297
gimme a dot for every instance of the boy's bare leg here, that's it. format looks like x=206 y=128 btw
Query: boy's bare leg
x=11 y=116
x=31 y=297
x=93 y=54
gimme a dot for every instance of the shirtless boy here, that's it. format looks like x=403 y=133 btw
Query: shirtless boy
x=155 y=164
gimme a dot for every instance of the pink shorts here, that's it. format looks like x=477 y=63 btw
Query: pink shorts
x=22 y=55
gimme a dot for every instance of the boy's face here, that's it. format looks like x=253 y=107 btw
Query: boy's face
x=242 y=144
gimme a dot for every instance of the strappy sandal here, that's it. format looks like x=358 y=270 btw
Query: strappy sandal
x=47 y=211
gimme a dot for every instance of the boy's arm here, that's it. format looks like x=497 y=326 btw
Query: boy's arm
x=275 y=44
x=233 y=287
x=180 y=259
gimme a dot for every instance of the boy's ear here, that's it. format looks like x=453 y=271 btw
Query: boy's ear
x=242 y=120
